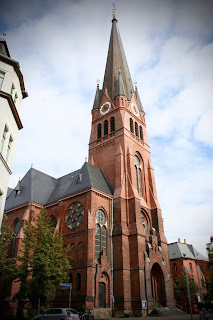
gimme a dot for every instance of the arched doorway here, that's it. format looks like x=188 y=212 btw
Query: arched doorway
x=102 y=295
x=158 y=285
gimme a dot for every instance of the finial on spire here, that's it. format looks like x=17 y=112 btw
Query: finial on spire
x=114 y=13
x=98 y=80
x=4 y=34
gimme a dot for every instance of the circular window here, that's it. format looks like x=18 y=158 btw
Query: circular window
x=100 y=216
x=75 y=215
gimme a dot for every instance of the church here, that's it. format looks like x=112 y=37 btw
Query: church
x=107 y=211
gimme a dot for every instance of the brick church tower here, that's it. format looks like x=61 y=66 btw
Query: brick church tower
x=119 y=145
x=107 y=211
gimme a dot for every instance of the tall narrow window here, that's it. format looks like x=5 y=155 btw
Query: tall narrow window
x=16 y=228
x=141 y=133
x=12 y=89
x=138 y=175
x=99 y=131
x=140 y=182
x=112 y=124
x=105 y=127
x=174 y=267
x=202 y=283
x=3 y=138
x=103 y=239
x=2 y=74
x=100 y=233
x=190 y=267
x=9 y=148
x=16 y=97
x=131 y=125
x=136 y=129
x=97 y=240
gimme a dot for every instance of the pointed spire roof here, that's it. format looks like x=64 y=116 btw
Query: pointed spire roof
x=116 y=60
x=120 y=90
x=140 y=106
x=4 y=48
x=96 y=103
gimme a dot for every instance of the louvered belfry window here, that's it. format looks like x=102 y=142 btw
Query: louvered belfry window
x=105 y=127
x=141 y=133
x=136 y=129
x=112 y=124
x=99 y=131
x=138 y=175
x=131 y=125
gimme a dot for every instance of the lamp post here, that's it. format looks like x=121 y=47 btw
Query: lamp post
x=187 y=285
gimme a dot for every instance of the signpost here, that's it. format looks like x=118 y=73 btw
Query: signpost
x=65 y=286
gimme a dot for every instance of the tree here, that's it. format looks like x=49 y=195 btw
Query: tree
x=209 y=280
x=180 y=287
x=43 y=261
x=7 y=264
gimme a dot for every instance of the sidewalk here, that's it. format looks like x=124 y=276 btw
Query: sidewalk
x=175 y=317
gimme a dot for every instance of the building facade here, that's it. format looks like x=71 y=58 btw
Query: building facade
x=107 y=211
x=12 y=91
x=183 y=255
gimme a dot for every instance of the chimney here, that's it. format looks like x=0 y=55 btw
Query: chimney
x=179 y=240
x=185 y=241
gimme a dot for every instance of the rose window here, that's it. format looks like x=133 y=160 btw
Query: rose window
x=75 y=215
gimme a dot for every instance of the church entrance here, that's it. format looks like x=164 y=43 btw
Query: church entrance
x=102 y=298
x=158 y=286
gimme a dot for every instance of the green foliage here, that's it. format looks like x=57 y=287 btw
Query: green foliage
x=7 y=265
x=180 y=286
x=209 y=280
x=43 y=263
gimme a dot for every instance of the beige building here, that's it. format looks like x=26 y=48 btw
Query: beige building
x=12 y=91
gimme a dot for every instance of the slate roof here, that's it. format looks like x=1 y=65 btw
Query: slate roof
x=43 y=189
x=178 y=250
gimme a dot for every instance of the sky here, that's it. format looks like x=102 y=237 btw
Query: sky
x=62 y=48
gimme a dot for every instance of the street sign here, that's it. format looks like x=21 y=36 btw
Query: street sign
x=144 y=304
x=65 y=286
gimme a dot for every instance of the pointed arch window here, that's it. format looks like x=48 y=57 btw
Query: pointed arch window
x=16 y=228
x=99 y=129
x=100 y=233
x=131 y=125
x=105 y=127
x=112 y=124
x=141 y=133
x=136 y=129
x=138 y=175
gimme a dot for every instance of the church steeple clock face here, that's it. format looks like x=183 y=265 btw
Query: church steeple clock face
x=135 y=109
x=105 y=108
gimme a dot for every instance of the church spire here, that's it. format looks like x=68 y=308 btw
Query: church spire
x=116 y=61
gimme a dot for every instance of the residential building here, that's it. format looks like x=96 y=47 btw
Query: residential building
x=12 y=91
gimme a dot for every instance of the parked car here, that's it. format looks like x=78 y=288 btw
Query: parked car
x=59 y=314
x=195 y=308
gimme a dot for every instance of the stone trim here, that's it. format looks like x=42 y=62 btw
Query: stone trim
x=5 y=164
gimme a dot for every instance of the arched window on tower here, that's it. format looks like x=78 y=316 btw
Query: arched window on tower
x=131 y=125
x=136 y=129
x=112 y=124
x=99 y=131
x=141 y=133
x=138 y=175
x=105 y=127
x=100 y=233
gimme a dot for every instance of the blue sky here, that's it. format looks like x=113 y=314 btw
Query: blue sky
x=62 y=48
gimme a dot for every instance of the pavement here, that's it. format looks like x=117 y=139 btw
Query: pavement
x=173 y=317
